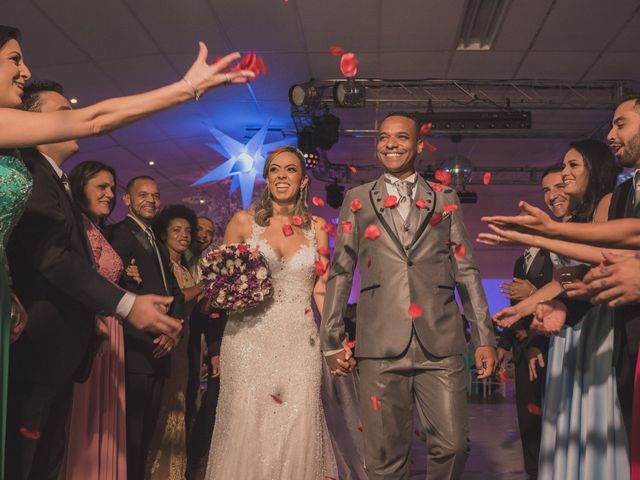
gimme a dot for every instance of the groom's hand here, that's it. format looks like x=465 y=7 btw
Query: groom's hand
x=341 y=363
x=486 y=361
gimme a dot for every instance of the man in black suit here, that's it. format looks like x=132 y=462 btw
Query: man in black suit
x=147 y=360
x=531 y=271
x=54 y=276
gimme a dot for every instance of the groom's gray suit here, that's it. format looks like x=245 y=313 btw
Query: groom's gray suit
x=403 y=361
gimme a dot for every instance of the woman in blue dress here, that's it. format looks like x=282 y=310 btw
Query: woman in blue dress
x=19 y=128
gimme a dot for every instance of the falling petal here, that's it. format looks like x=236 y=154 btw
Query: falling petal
x=296 y=220
x=486 y=178
x=307 y=310
x=452 y=207
x=375 y=403
x=429 y=146
x=534 y=409
x=421 y=203
x=372 y=232
x=346 y=227
x=360 y=428
x=417 y=432
x=353 y=169
x=351 y=344
x=437 y=187
x=443 y=177
x=355 y=205
x=425 y=129
x=287 y=230
x=317 y=201
x=214 y=315
x=320 y=268
x=414 y=310
x=435 y=219
x=459 y=251
x=390 y=201
x=26 y=433
x=349 y=64
x=325 y=251
x=330 y=228
x=276 y=399
x=502 y=378
x=336 y=51
x=369 y=262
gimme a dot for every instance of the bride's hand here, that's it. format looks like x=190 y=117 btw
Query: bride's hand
x=203 y=76
x=505 y=237
x=531 y=219
x=507 y=316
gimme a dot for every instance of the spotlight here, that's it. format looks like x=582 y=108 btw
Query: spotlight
x=326 y=131
x=304 y=94
x=349 y=94
x=311 y=160
x=334 y=195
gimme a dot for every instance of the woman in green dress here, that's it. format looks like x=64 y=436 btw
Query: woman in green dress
x=19 y=128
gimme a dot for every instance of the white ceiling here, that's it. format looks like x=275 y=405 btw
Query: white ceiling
x=103 y=48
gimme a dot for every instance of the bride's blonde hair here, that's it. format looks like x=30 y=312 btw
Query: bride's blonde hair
x=263 y=206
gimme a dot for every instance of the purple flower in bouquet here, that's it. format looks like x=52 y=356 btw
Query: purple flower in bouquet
x=235 y=277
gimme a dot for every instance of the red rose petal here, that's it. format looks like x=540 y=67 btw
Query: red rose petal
x=307 y=310
x=355 y=205
x=353 y=169
x=276 y=399
x=256 y=251
x=296 y=220
x=429 y=146
x=349 y=64
x=369 y=262
x=437 y=187
x=242 y=248
x=360 y=427
x=325 y=251
x=414 y=310
x=317 y=201
x=330 y=228
x=502 y=378
x=421 y=203
x=287 y=230
x=390 y=201
x=336 y=51
x=346 y=227
x=425 y=129
x=459 y=252
x=372 y=232
x=486 y=178
x=351 y=344
x=375 y=403
x=26 y=433
x=534 y=409
x=435 y=219
x=452 y=207
x=214 y=315
x=320 y=267
x=417 y=432
x=443 y=177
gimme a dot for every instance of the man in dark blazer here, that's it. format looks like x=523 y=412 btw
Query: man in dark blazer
x=536 y=269
x=147 y=359
x=54 y=276
x=403 y=232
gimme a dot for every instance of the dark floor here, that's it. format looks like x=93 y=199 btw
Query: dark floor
x=495 y=442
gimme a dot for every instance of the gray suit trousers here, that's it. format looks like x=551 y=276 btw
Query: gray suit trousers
x=437 y=387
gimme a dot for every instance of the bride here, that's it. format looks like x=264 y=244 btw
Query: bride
x=270 y=422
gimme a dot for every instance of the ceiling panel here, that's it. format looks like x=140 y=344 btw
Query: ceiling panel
x=195 y=18
x=484 y=64
x=412 y=65
x=102 y=29
x=557 y=65
x=574 y=26
x=629 y=38
x=135 y=75
x=616 y=66
x=521 y=24
x=414 y=25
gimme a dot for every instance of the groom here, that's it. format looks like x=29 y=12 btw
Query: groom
x=403 y=232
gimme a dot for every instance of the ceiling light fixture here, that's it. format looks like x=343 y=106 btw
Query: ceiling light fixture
x=304 y=94
x=481 y=23
x=348 y=94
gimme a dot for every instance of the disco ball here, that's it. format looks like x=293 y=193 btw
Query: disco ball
x=460 y=168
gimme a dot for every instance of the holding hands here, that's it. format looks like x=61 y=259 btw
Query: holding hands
x=341 y=363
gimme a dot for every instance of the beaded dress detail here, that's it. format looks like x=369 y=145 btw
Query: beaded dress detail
x=270 y=423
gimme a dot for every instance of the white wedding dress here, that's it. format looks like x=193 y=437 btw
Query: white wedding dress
x=270 y=423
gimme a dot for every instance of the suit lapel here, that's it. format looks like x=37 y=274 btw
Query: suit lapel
x=140 y=236
x=426 y=193
x=376 y=196
x=536 y=265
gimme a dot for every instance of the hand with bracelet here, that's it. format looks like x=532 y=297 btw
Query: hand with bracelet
x=518 y=289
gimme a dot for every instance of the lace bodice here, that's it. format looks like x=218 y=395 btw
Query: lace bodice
x=108 y=261
x=293 y=277
x=15 y=188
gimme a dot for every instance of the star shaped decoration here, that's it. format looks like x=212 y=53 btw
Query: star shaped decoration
x=244 y=163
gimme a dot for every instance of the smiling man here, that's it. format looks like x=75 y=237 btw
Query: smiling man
x=410 y=342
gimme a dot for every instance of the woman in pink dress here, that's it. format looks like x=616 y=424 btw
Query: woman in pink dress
x=96 y=447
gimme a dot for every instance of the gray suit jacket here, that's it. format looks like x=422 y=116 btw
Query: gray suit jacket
x=394 y=274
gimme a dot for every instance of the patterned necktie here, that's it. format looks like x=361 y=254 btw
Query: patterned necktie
x=404 y=203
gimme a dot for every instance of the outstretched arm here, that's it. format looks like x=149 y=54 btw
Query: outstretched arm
x=23 y=129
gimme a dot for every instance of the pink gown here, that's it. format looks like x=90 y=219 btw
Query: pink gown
x=97 y=447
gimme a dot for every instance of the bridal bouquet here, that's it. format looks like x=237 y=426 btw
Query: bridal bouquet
x=235 y=278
